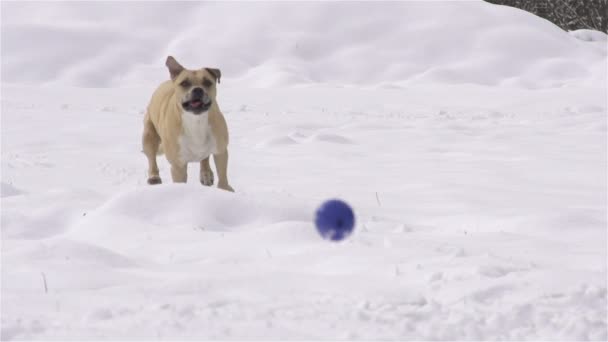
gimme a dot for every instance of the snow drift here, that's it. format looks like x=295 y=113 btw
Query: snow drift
x=278 y=44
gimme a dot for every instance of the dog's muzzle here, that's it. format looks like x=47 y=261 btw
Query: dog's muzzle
x=198 y=103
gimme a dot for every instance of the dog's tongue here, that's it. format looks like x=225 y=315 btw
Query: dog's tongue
x=196 y=103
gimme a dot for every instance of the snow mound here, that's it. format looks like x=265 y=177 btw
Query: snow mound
x=589 y=35
x=282 y=44
x=178 y=204
x=181 y=213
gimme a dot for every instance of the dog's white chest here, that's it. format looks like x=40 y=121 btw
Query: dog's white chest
x=197 y=142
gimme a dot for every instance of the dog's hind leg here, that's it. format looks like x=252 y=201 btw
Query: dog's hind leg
x=206 y=173
x=151 y=142
x=221 y=165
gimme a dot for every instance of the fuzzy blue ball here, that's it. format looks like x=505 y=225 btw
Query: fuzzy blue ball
x=335 y=220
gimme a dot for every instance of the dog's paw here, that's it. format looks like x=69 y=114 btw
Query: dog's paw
x=154 y=180
x=225 y=186
x=207 y=178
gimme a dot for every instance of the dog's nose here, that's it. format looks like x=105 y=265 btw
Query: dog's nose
x=198 y=92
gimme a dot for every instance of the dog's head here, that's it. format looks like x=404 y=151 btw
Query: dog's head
x=195 y=89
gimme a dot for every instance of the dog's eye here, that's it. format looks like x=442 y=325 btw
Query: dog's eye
x=207 y=83
x=185 y=83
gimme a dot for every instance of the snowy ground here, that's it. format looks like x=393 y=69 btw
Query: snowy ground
x=491 y=220
x=481 y=206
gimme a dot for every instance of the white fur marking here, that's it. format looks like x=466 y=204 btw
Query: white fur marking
x=196 y=143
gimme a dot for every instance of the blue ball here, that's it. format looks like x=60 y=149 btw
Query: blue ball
x=335 y=220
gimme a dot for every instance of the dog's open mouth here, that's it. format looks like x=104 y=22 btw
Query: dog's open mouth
x=196 y=106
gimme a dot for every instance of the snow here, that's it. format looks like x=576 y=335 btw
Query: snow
x=589 y=35
x=470 y=139
x=270 y=44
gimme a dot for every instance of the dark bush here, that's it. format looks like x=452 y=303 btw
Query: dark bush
x=567 y=14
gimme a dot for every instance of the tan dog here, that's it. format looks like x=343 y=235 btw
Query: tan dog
x=183 y=116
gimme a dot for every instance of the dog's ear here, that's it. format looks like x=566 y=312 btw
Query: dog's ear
x=216 y=73
x=174 y=67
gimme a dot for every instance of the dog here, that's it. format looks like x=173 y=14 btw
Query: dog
x=183 y=120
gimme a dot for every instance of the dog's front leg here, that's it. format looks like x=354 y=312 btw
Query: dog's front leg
x=179 y=173
x=206 y=173
x=221 y=165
